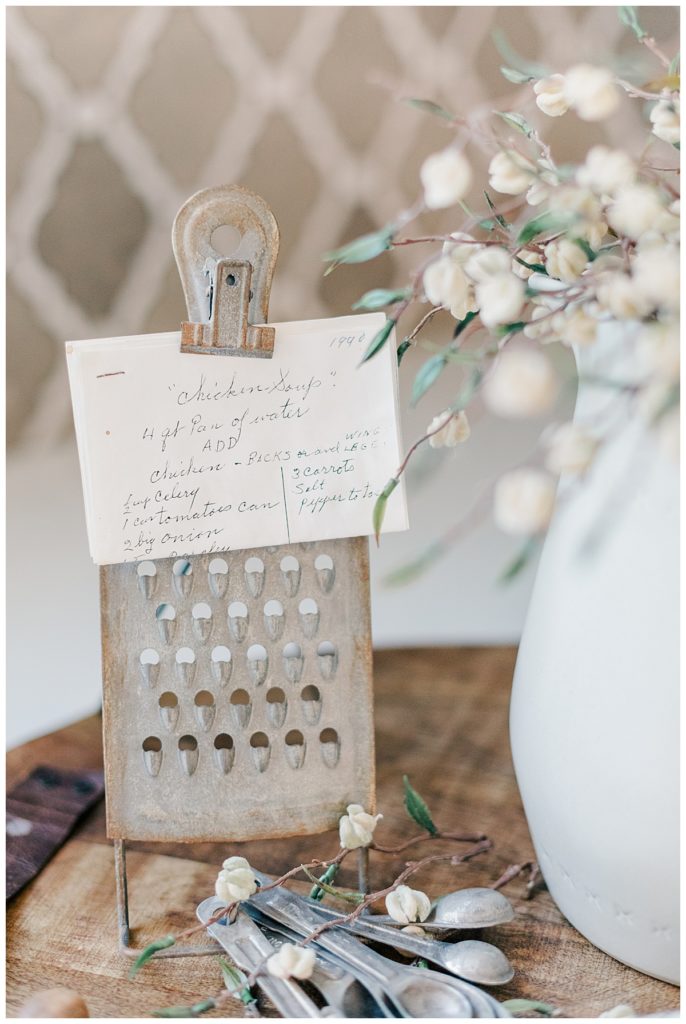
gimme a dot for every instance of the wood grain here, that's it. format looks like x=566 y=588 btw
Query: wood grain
x=441 y=717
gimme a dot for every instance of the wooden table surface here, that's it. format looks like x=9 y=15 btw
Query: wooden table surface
x=441 y=718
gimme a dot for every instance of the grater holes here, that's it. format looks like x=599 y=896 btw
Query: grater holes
x=188 y=753
x=218 y=574
x=169 y=710
x=295 y=748
x=152 y=755
x=204 y=709
x=254 y=575
x=277 y=706
x=308 y=611
x=330 y=747
x=147 y=578
x=224 y=752
x=202 y=620
x=258 y=663
x=274 y=619
x=293 y=661
x=261 y=750
x=241 y=707
x=149 y=665
x=223 y=741
x=166 y=621
x=327 y=659
x=221 y=664
x=185 y=664
x=182 y=574
x=290 y=574
x=238 y=620
x=325 y=572
x=311 y=703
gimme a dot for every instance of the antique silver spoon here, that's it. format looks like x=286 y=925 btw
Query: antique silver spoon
x=464 y=908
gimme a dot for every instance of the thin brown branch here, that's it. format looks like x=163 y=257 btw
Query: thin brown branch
x=457 y=837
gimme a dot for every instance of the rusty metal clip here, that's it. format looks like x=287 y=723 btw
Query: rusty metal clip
x=227 y=316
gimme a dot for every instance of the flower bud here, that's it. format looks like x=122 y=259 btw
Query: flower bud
x=511 y=173
x=406 y=905
x=638 y=209
x=606 y=170
x=445 y=284
x=523 y=502
x=446 y=178
x=292 y=962
x=500 y=299
x=522 y=383
x=356 y=828
x=565 y=260
x=235 y=881
x=454 y=431
x=550 y=95
x=571 y=449
x=666 y=121
x=591 y=91
x=486 y=262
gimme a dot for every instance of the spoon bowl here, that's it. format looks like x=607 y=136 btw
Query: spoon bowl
x=464 y=908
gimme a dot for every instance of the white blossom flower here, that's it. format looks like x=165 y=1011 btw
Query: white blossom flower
x=486 y=261
x=406 y=905
x=446 y=178
x=606 y=170
x=511 y=173
x=617 y=293
x=523 y=501
x=586 y=209
x=416 y=930
x=638 y=209
x=571 y=449
x=530 y=256
x=551 y=96
x=575 y=327
x=445 y=284
x=235 y=881
x=522 y=383
x=356 y=828
x=500 y=299
x=535 y=330
x=292 y=961
x=565 y=260
x=538 y=192
x=460 y=247
x=591 y=91
x=454 y=430
x=657 y=279
x=666 y=121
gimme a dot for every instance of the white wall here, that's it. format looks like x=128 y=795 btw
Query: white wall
x=52 y=586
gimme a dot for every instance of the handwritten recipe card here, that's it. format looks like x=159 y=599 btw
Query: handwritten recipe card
x=185 y=454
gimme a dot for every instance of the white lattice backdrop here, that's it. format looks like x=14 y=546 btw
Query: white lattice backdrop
x=116 y=115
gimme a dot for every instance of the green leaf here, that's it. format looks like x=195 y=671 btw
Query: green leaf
x=380 y=506
x=417 y=809
x=537 y=268
x=590 y=253
x=427 y=375
x=515 y=121
x=520 y=561
x=674 y=64
x=186 y=1011
x=402 y=349
x=499 y=218
x=333 y=890
x=236 y=982
x=545 y=223
x=378 y=341
x=514 y=59
x=504 y=329
x=361 y=249
x=461 y=324
x=518 y=77
x=317 y=891
x=520 y=1006
x=149 y=951
x=377 y=298
x=629 y=17
x=428 y=107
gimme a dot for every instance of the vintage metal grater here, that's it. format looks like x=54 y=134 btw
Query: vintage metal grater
x=237 y=685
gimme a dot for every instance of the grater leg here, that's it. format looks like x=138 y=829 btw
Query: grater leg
x=363 y=869
x=122 y=893
x=123 y=915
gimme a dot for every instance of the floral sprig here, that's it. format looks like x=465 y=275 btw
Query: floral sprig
x=236 y=882
x=561 y=253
